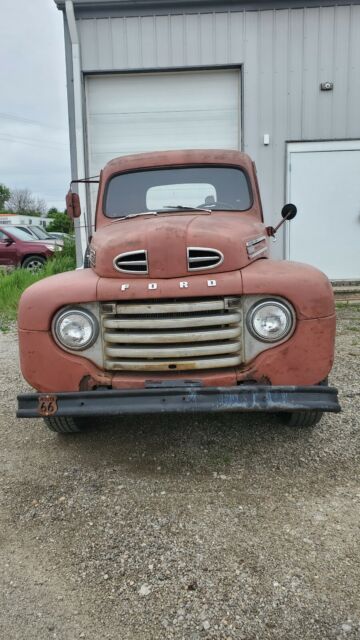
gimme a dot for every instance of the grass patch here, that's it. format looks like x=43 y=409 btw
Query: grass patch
x=14 y=283
x=354 y=305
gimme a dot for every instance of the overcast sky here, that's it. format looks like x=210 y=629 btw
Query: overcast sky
x=34 y=145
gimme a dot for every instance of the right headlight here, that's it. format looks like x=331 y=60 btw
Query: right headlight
x=270 y=320
x=75 y=329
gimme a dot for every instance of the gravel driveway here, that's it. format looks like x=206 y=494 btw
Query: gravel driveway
x=206 y=527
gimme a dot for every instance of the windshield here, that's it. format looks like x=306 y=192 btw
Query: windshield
x=19 y=233
x=214 y=188
x=40 y=233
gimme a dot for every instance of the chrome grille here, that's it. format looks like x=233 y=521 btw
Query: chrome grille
x=132 y=262
x=172 y=335
x=200 y=258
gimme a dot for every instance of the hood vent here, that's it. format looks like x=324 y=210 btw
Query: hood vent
x=132 y=262
x=201 y=258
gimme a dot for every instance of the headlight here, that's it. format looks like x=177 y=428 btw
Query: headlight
x=75 y=329
x=51 y=247
x=270 y=320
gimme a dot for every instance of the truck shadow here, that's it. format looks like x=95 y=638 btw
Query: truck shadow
x=178 y=444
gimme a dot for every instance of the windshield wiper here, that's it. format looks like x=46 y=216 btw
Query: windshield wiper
x=182 y=207
x=166 y=209
x=135 y=215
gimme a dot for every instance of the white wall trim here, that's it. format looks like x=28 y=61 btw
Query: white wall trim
x=323 y=145
x=81 y=224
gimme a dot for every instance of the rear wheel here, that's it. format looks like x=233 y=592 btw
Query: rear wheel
x=65 y=424
x=33 y=263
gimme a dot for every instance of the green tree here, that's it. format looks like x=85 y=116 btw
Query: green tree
x=60 y=222
x=4 y=196
x=52 y=212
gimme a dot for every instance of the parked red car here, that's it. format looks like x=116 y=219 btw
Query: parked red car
x=17 y=249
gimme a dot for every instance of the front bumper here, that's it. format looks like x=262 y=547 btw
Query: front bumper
x=187 y=398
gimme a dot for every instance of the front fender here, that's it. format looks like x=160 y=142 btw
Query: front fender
x=39 y=302
x=307 y=288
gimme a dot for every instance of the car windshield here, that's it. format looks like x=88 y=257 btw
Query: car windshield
x=212 y=188
x=19 y=233
x=40 y=233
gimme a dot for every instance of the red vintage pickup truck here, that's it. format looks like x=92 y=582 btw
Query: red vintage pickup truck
x=181 y=308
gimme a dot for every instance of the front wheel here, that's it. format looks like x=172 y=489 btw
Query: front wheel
x=65 y=424
x=301 y=418
x=33 y=263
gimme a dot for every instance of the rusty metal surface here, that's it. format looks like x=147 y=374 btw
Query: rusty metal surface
x=202 y=333
x=168 y=236
x=187 y=399
x=179 y=158
x=307 y=288
x=305 y=359
x=39 y=302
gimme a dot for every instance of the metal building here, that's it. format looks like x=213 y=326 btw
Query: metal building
x=278 y=79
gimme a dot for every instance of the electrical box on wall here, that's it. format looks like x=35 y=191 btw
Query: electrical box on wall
x=327 y=86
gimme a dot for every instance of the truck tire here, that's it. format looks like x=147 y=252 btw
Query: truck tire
x=65 y=424
x=33 y=263
x=301 y=418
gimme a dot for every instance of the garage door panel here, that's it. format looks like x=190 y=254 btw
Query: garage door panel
x=149 y=112
x=195 y=131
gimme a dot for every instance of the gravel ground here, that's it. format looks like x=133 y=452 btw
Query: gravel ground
x=207 y=527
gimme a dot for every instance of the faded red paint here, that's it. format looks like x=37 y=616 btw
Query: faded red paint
x=167 y=236
x=179 y=159
x=304 y=359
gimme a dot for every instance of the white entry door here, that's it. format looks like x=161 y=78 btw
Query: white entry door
x=323 y=181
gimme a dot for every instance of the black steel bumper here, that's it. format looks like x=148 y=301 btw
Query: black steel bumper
x=178 y=399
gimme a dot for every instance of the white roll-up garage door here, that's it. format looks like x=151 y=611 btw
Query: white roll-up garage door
x=160 y=111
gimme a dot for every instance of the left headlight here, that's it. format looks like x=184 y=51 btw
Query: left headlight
x=270 y=320
x=75 y=329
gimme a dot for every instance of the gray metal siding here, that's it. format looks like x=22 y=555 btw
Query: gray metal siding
x=284 y=53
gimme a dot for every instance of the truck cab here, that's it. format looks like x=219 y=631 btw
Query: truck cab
x=181 y=308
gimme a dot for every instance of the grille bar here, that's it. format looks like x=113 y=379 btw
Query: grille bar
x=182 y=335
x=151 y=337
x=174 y=307
x=171 y=323
x=173 y=351
x=180 y=365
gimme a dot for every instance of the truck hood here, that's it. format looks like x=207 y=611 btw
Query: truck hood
x=178 y=244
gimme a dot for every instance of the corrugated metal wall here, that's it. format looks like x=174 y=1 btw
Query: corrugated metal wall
x=285 y=55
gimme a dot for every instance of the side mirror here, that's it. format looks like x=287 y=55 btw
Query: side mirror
x=73 y=207
x=7 y=241
x=289 y=211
